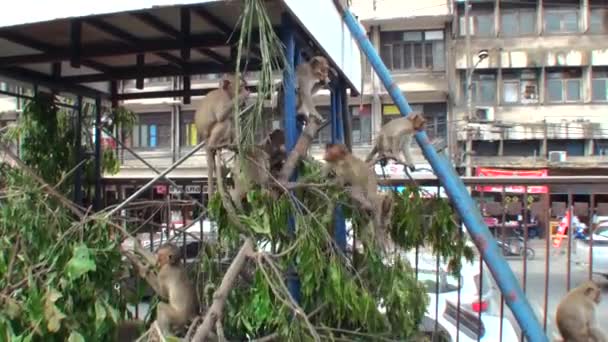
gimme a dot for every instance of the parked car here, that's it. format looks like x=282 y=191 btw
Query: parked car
x=479 y=315
x=600 y=249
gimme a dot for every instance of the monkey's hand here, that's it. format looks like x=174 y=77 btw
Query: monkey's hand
x=316 y=115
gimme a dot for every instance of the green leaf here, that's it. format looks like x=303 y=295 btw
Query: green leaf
x=80 y=263
x=75 y=337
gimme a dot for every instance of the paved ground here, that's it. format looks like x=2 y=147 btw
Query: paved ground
x=557 y=284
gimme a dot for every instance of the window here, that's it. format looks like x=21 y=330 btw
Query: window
x=520 y=86
x=413 y=50
x=152 y=131
x=561 y=20
x=600 y=147
x=188 y=135
x=485 y=148
x=436 y=119
x=597 y=19
x=483 y=87
x=573 y=147
x=518 y=22
x=481 y=20
x=599 y=84
x=520 y=148
x=361 y=124
x=564 y=86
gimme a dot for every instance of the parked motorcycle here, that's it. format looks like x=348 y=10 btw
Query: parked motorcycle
x=515 y=246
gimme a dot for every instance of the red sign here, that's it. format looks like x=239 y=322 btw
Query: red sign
x=535 y=189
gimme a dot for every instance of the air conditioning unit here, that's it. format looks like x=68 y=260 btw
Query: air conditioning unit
x=484 y=114
x=557 y=156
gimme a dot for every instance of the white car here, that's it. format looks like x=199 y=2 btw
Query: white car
x=600 y=249
x=479 y=317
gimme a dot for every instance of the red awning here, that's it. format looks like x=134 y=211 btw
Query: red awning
x=535 y=189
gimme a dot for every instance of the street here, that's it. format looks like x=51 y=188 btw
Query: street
x=535 y=284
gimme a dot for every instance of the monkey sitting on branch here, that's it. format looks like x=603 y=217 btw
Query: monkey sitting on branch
x=350 y=170
x=576 y=314
x=258 y=165
x=395 y=139
x=213 y=121
x=181 y=304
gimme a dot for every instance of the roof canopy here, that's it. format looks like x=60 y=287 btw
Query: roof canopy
x=84 y=47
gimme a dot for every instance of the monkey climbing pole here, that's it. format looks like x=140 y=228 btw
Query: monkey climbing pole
x=457 y=192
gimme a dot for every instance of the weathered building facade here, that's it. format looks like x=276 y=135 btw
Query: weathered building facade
x=537 y=94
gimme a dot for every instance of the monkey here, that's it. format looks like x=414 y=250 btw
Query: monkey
x=176 y=288
x=364 y=186
x=261 y=162
x=274 y=146
x=215 y=108
x=246 y=172
x=395 y=138
x=129 y=331
x=576 y=314
x=310 y=78
x=213 y=121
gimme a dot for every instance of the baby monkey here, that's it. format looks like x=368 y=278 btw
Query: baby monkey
x=395 y=139
x=576 y=314
x=176 y=288
x=364 y=186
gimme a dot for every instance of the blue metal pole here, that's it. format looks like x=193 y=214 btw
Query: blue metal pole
x=337 y=137
x=458 y=194
x=291 y=131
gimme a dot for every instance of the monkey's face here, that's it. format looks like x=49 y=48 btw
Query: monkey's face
x=335 y=152
x=228 y=84
x=277 y=139
x=592 y=290
x=320 y=68
x=418 y=121
x=166 y=255
x=162 y=258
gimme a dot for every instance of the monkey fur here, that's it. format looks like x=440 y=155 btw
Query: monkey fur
x=350 y=170
x=310 y=77
x=395 y=138
x=260 y=163
x=576 y=314
x=129 y=331
x=213 y=121
x=174 y=284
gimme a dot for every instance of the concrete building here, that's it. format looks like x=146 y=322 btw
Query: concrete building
x=538 y=97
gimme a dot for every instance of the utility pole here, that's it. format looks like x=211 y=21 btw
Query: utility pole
x=469 y=144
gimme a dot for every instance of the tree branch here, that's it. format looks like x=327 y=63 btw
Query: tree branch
x=300 y=150
x=81 y=214
x=216 y=310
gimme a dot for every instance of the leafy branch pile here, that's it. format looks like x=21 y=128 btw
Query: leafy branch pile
x=57 y=275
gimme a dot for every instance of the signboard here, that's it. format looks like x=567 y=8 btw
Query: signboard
x=189 y=189
x=534 y=189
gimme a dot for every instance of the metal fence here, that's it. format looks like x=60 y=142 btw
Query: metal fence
x=469 y=308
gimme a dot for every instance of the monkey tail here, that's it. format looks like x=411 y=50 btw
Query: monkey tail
x=210 y=171
x=371 y=154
